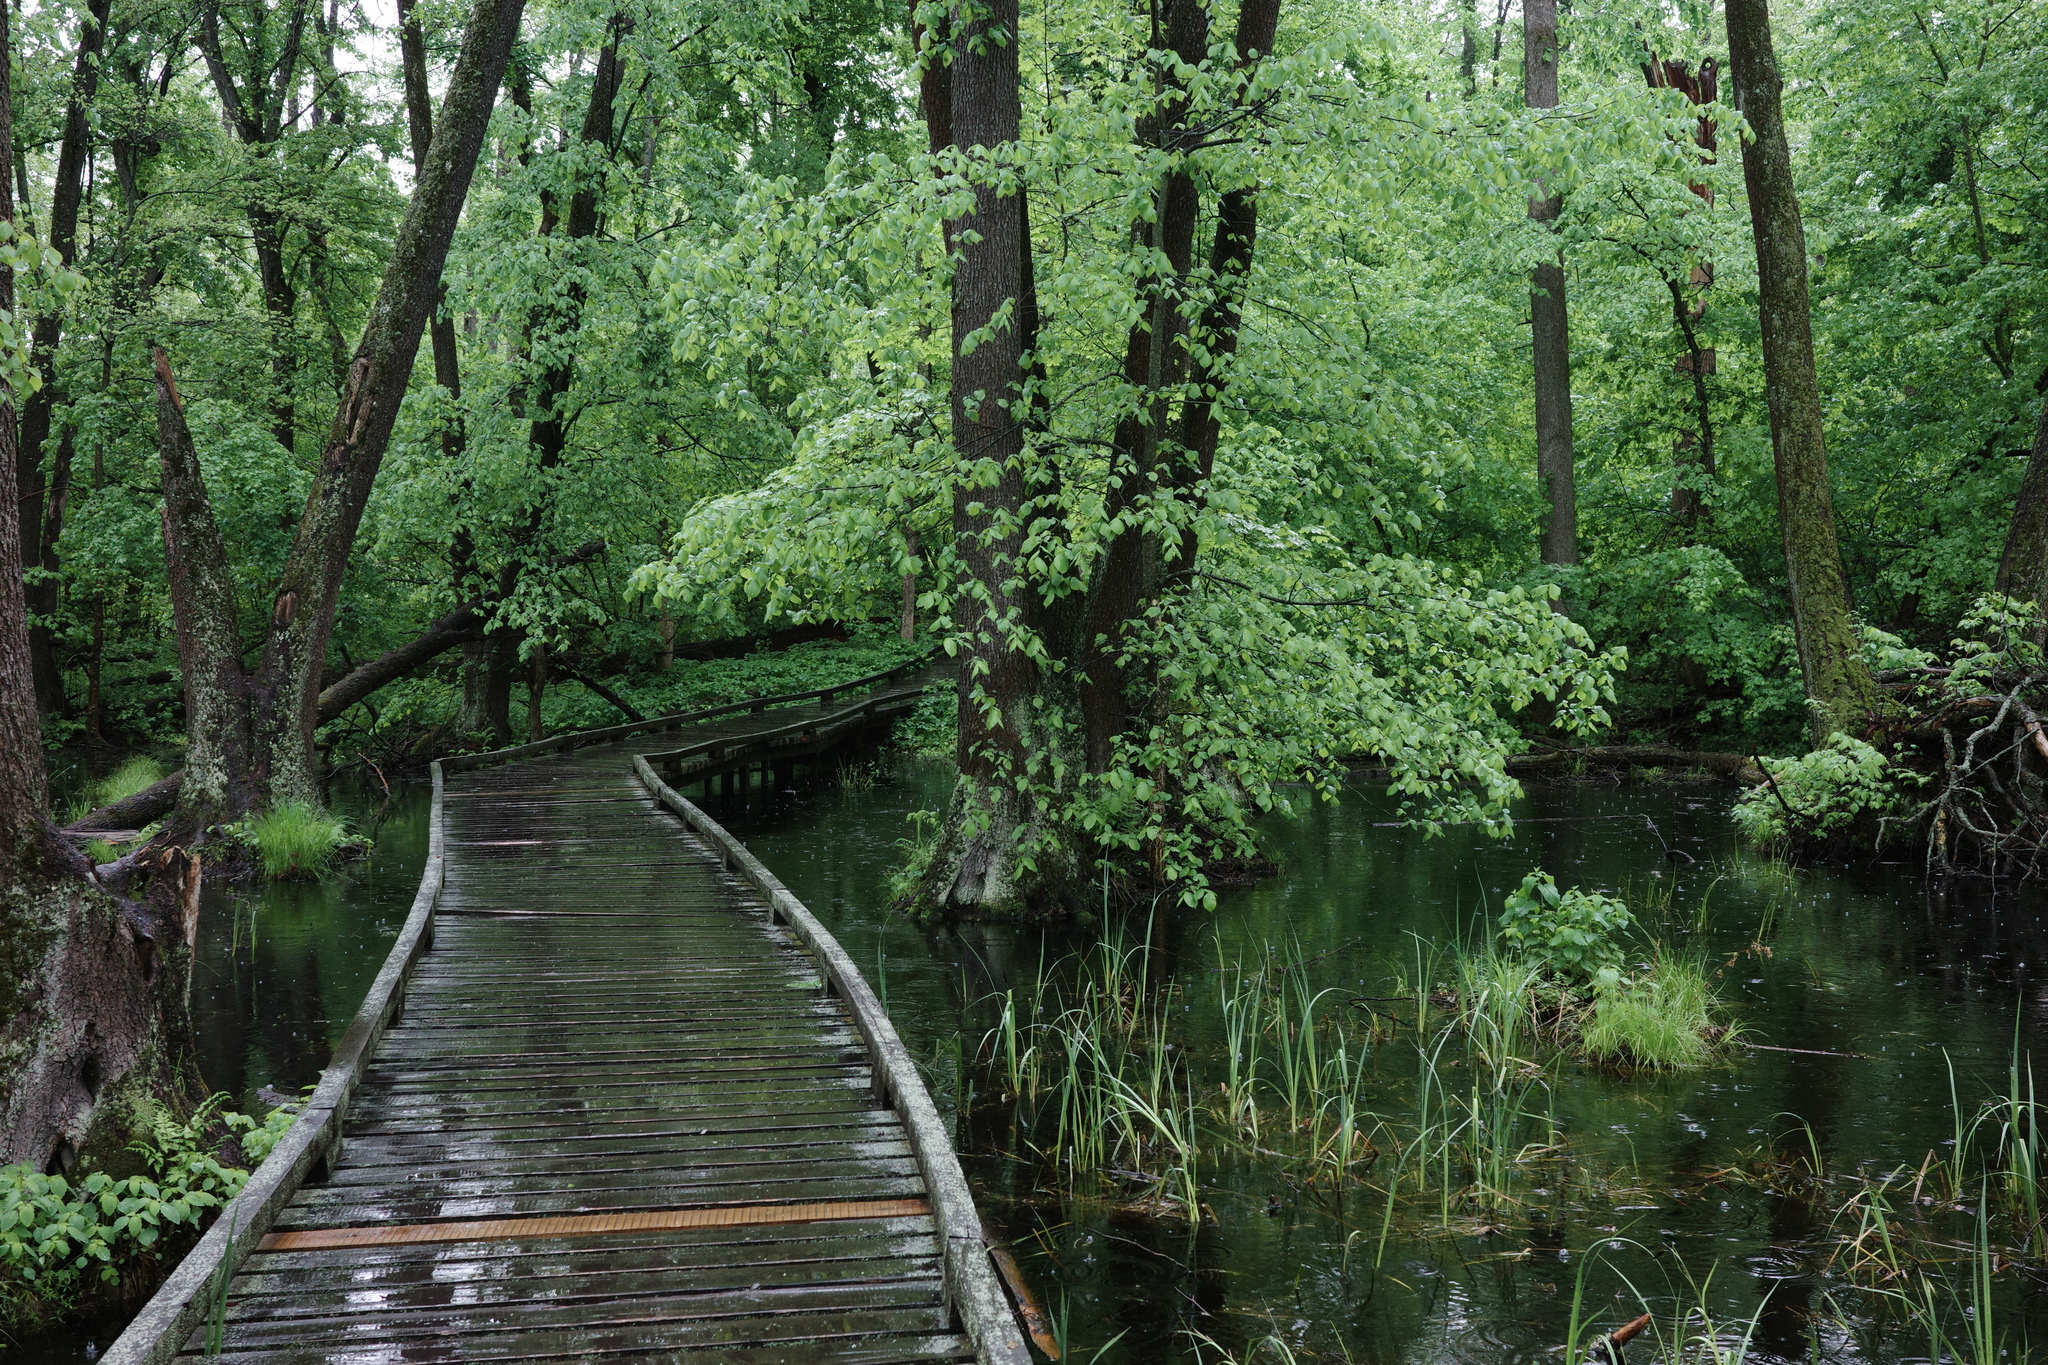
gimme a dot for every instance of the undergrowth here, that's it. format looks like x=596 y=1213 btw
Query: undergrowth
x=61 y=1239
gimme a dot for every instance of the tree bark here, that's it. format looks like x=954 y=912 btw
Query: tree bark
x=2023 y=567
x=42 y=515
x=1839 y=691
x=24 y=786
x=92 y=1014
x=1131 y=568
x=219 y=781
x=1549 y=328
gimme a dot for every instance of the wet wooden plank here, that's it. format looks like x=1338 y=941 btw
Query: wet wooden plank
x=617 y=1115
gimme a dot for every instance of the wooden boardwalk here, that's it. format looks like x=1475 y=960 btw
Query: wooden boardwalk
x=629 y=1100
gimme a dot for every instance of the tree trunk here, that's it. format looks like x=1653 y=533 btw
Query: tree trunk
x=1549 y=329
x=991 y=858
x=42 y=524
x=975 y=869
x=462 y=568
x=286 y=686
x=24 y=789
x=2023 y=567
x=1839 y=691
x=92 y=1014
x=1131 y=567
x=219 y=780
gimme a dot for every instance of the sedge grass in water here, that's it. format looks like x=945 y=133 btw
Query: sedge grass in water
x=1663 y=1020
x=296 y=841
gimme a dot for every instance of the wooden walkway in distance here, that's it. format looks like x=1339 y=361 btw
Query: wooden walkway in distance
x=631 y=1106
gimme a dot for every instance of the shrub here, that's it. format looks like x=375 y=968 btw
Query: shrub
x=296 y=840
x=1575 y=933
x=1819 y=796
x=56 y=1235
x=1663 y=1019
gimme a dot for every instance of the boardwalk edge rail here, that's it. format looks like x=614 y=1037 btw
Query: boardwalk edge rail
x=181 y=1305
x=976 y=1295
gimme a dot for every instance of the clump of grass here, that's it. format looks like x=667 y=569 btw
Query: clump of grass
x=1664 y=1019
x=136 y=773
x=296 y=840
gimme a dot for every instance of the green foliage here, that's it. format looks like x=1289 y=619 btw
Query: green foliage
x=59 y=1235
x=295 y=841
x=930 y=728
x=1573 y=933
x=1663 y=1018
x=1822 y=795
x=917 y=853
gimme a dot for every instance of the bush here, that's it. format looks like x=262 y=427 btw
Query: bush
x=56 y=1235
x=295 y=840
x=1664 y=1019
x=1575 y=933
x=1827 y=794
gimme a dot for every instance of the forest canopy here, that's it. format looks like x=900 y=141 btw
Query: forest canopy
x=1241 y=392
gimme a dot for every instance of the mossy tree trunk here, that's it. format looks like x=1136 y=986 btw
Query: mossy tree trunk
x=1839 y=691
x=92 y=989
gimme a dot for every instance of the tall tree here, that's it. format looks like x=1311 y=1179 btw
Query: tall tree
x=43 y=497
x=282 y=694
x=1839 y=690
x=24 y=790
x=94 y=1025
x=997 y=676
x=1033 y=665
x=1549 y=328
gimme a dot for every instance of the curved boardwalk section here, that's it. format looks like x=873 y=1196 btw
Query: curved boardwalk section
x=633 y=1102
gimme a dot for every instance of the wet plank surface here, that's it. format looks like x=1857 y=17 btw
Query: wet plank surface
x=619 y=1118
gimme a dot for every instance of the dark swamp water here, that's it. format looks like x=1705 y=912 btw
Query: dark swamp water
x=1634 y=1207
